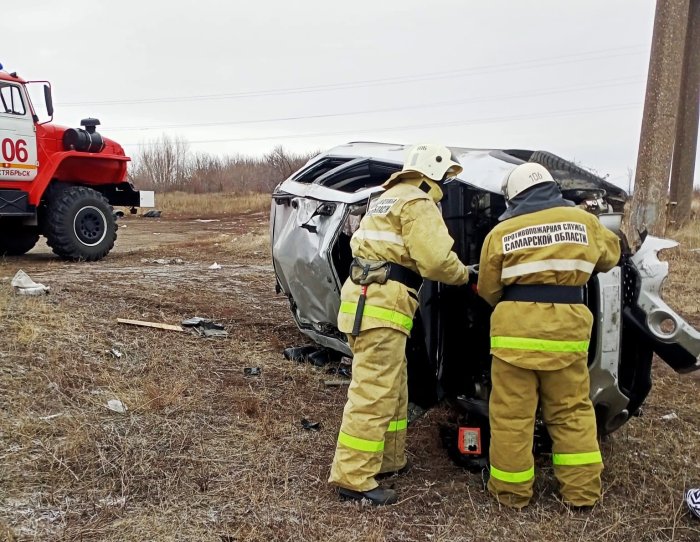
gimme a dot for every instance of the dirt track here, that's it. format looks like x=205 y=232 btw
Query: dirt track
x=205 y=453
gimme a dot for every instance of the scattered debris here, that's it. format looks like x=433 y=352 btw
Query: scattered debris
x=299 y=353
x=198 y=321
x=692 y=499
x=336 y=382
x=205 y=327
x=205 y=220
x=116 y=353
x=50 y=417
x=344 y=371
x=215 y=266
x=24 y=285
x=414 y=412
x=164 y=261
x=252 y=371
x=669 y=417
x=116 y=405
x=113 y=501
x=118 y=215
x=153 y=213
x=157 y=325
x=207 y=332
x=312 y=354
x=310 y=426
x=323 y=357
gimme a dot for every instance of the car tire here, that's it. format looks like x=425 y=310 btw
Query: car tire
x=80 y=224
x=17 y=240
x=556 y=163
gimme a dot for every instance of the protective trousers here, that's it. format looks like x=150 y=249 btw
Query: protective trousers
x=372 y=435
x=570 y=419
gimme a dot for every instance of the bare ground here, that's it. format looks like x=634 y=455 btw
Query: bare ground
x=205 y=453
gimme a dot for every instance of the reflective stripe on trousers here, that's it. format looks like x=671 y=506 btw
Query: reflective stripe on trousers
x=584 y=458
x=379 y=313
x=541 y=345
x=513 y=477
x=364 y=445
x=397 y=425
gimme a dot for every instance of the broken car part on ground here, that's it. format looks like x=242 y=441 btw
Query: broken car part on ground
x=317 y=209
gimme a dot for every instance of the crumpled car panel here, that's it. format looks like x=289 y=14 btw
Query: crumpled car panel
x=672 y=338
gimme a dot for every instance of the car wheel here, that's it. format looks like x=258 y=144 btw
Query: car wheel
x=80 y=224
x=17 y=240
x=555 y=163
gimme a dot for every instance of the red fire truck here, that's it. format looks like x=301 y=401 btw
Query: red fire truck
x=58 y=182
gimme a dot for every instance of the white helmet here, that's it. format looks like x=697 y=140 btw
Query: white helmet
x=433 y=161
x=523 y=177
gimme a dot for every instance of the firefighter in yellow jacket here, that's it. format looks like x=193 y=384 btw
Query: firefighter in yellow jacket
x=401 y=239
x=533 y=267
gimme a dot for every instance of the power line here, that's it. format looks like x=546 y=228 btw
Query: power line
x=605 y=84
x=466 y=122
x=477 y=70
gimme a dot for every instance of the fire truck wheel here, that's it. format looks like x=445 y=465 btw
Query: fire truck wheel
x=80 y=224
x=17 y=240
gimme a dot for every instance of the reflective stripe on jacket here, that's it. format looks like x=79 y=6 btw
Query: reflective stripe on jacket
x=402 y=225
x=561 y=246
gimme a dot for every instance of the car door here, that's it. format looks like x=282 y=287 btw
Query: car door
x=18 y=152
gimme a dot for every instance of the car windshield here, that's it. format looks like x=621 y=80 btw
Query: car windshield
x=357 y=175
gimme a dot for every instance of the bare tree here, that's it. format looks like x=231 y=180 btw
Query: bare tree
x=167 y=164
x=281 y=162
x=164 y=162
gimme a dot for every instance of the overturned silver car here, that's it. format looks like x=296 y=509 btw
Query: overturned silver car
x=316 y=210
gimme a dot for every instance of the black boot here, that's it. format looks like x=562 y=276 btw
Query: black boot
x=377 y=496
x=403 y=470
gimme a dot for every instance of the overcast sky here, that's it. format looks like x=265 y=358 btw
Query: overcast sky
x=242 y=77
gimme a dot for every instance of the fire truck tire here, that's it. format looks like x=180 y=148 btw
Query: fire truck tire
x=80 y=224
x=19 y=240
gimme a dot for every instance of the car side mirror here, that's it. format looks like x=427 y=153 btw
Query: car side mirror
x=48 y=100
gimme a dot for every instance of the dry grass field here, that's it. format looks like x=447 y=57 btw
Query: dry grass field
x=208 y=205
x=205 y=453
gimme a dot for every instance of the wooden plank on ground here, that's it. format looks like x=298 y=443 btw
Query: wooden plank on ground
x=158 y=325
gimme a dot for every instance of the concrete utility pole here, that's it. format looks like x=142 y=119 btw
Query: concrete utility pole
x=649 y=203
x=683 y=169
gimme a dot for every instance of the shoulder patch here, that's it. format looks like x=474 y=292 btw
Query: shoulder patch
x=381 y=206
x=544 y=235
